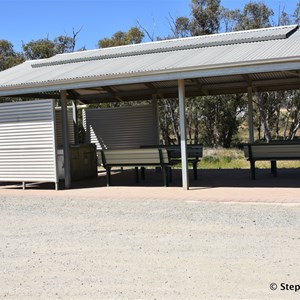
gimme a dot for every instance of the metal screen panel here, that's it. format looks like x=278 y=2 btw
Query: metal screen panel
x=121 y=128
x=27 y=142
x=58 y=127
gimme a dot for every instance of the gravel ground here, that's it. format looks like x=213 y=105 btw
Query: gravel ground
x=69 y=248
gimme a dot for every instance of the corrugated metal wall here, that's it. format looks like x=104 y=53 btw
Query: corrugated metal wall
x=59 y=137
x=27 y=141
x=122 y=127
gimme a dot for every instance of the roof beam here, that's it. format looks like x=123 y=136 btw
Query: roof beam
x=151 y=87
x=294 y=73
x=112 y=92
x=200 y=86
x=247 y=79
x=73 y=94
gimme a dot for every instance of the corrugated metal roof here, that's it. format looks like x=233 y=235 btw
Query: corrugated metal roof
x=173 y=45
x=217 y=51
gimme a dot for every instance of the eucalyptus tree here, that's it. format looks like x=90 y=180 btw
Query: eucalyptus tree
x=133 y=36
x=45 y=48
x=8 y=56
x=39 y=49
x=255 y=15
x=180 y=27
x=229 y=18
x=296 y=14
x=205 y=16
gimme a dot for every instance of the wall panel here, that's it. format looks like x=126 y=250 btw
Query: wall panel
x=122 y=127
x=27 y=141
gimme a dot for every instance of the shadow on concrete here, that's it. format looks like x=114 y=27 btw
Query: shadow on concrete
x=212 y=178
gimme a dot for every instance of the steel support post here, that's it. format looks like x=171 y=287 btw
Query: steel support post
x=250 y=115
x=184 y=161
x=75 y=120
x=66 y=146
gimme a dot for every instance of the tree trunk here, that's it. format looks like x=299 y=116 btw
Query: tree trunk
x=263 y=117
x=173 y=122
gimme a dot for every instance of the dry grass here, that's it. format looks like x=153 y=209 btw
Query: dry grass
x=219 y=158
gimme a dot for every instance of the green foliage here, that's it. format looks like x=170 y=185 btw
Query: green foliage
x=133 y=36
x=180 y=27
x=220 y=118
x=6 y=48
x=205 y=16
x=45 y=48
x=212 y=120
x=8 y=57
x=292 y=118
x=218 y=158
x=169 y=121
x=284 y=18
x=64 y=44
x=229 y=18
x=296 y=14
x=42 y=48
x=255 y=15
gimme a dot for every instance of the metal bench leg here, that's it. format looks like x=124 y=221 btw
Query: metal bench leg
x=195 y=172
x=252 y=166
x=143 y=173
x=136 y=174
x=273 y=168
x=170 y=174
x=108 y=177
x=165 y=175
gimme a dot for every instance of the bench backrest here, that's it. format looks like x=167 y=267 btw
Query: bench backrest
x=193 y=151
x=275 y=151
x=151 y=156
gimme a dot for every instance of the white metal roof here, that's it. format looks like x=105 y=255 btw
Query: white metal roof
x=269 y=50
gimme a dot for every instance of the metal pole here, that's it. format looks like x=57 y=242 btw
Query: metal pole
x=64 y=119
x=75 y=120
x=184 y=161
x=250 y=115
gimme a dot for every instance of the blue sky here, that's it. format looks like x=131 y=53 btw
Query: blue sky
x=26 y=20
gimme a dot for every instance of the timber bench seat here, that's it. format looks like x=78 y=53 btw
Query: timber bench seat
x=194 y=153
x=150 y=157
x=271 y=152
